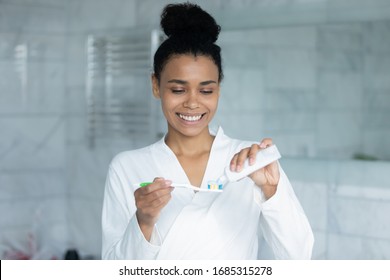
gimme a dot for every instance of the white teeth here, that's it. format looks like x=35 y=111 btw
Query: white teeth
x=190 y=118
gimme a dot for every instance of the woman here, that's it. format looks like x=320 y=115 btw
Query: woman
x=160 y=222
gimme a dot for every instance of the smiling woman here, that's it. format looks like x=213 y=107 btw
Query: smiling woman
x=189 y=92
x=157 y=220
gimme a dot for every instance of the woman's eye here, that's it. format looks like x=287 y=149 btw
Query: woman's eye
x=177 y=91
x=205 y=91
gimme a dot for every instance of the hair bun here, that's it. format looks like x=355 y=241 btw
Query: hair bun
x=189 y=21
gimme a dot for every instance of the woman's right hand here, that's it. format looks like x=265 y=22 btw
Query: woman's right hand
x=149 y=201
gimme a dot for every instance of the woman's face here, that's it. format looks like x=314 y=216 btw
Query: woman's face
x=189 y=92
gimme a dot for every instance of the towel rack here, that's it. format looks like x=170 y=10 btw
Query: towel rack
x=118 y=91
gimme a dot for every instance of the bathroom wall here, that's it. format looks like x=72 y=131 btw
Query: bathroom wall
x=346 y=203
x=51 y=183
x=321 y=91
x=86 y=167
x=33 y=188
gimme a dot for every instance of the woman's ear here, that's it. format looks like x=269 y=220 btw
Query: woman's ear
x=155 y=87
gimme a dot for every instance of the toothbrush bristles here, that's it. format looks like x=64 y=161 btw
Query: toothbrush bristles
x=212 y=185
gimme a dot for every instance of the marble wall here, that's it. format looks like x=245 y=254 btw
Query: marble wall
x=321 y=91
x=345 y=205
x=33 y=193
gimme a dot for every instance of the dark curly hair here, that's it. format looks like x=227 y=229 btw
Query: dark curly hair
x=190 y=30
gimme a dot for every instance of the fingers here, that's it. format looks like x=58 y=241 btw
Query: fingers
x=160 y=187
x=151 y=199
x=252 y=153
x=237 y=162
x=266 y=142
x=156 y=199
x=158 y=183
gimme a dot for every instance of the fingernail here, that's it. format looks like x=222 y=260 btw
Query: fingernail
x=251 y=160
x=262 y=145
x=167 y=182
x=238 y=168
x=232 y=166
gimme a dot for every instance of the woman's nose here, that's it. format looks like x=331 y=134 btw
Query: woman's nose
x=191 y=101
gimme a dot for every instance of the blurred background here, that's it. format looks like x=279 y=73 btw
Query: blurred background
x=74 y=90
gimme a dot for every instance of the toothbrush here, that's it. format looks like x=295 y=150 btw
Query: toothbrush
x=186 y=186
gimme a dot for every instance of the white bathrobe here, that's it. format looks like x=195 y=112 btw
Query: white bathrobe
x=200 y=225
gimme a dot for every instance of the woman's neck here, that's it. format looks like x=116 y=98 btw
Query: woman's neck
x=183 y=145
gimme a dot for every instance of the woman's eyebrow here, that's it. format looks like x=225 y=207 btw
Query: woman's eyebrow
x=205 y=83
x=182 y=82
x=175 y=81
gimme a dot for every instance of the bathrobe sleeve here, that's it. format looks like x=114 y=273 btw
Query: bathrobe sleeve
x=284 y=224
x=122 y=238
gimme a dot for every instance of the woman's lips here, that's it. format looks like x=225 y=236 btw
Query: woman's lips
x=190 y=118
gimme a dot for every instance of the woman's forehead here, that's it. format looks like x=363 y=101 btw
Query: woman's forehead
x=186 y=67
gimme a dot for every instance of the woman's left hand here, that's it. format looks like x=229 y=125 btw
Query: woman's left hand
x=267 y=178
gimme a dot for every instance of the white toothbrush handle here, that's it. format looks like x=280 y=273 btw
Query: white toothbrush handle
x=187 y=186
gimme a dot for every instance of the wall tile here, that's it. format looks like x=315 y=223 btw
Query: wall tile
x=245 y=126
x=43 y=91
x=357 y=10
x=30 y=18
x=286 y=37
x=380 y=193
x=291 y=100
x=376 y=100
x=88 y=15
x=49 y=3
x=374 y=39
x=347 y=126
x=359 y=217
x=87 y=168
x=36 y=213
x=10 y=84
x=347 y=37
x=32 y=143
x=20 y=185
x=363 y=174
x=340 y=61
x=241 y=90
x=290 y=122
x=252 y=38
x=45 y=243
x=8 y=41
x=15 y=239
x=310 y=170
x=376 y=120
x=245 y=57
x=345 y=247
x=293 y=144
x=44 y=47
x=85 y=226
x=320 y=248
x=376 y=71
x=294 y=37
x=314 y=200
x=375 y=143
x=340 y=91
x=76 y=129
x=76 y=101
x=76 y=64
x=300 y=73
x=153 y=11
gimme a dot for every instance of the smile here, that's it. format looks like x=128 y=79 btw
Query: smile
x=191 y=118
